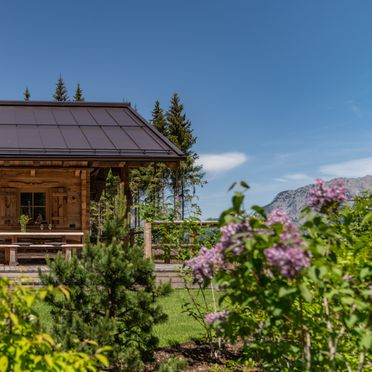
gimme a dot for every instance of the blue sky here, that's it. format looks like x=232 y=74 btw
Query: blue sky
x=279 y=92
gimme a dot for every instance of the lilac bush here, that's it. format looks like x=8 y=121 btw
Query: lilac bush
x=289 y=261
x=229 y=239
x=290 y=236
x=287 y=256
x=322 y=197
x=205 y=265
x=298 y=297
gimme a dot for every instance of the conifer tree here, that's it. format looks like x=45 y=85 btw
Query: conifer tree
x=189 y=175
x=158 y=119
x=148 y=183
x=113 y=301
x=26 y=94
x=61 y=91
x=78 y=97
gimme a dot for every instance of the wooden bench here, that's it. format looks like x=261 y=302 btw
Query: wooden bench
x=12 y=254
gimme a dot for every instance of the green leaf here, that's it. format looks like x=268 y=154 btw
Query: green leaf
x=244 y=185
x=364 y=272
x=347 y=300
x=237 y=201
x=366 y=340
x=231 y=187
x=13 y=318
x=285 y=291
x=3 y=363
x=103 y=359
x=49 y=360
x=351 y=321
x=305 y=292
x=367 y=219
x=259 y=210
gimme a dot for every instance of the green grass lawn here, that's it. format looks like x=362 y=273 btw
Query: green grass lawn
x=180 y=327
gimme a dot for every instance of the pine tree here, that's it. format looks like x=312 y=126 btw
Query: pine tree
x=61 y=91
x=158 y=119
x=148 y=183
x=189 y=175
x=78 y=97
x=113 y=301
x=26 y=94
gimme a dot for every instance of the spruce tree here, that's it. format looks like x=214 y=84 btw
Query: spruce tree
x=148 y=183
x=113 y=301
x=189 y=175
x=61 y=91
x=26 y=94
x=78 y=97
x=158 y=119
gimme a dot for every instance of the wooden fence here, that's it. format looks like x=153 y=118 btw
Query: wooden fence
x=154 y=249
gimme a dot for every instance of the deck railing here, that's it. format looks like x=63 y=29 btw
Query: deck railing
x=168 y=241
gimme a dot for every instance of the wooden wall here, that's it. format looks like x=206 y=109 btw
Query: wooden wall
x=67 y=192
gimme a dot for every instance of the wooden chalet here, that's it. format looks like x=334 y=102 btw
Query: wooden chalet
x=54 y=158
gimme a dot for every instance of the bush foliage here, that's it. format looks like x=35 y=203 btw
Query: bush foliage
x=113 y=301
x=300 y=297
x=24 y=347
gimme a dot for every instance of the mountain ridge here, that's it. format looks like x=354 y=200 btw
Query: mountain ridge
x=293 y=201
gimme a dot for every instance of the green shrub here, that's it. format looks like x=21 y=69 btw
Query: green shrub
x=23 y=347
x=113 y=301
x=300 y=297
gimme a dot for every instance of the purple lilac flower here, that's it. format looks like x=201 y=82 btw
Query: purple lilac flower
x=322 y=196
x=287 y=256
x=219 y=316
x=289 y=261
x=206 y=263
x=290 y=235
x=229 y=231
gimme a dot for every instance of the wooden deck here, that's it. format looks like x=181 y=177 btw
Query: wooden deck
x=29 y=274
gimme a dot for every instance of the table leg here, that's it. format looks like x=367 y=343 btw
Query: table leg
x=7 y=255
x=13 y=256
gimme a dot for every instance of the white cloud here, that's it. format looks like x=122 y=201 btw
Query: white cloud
x=299 y=177
x=218 y=163
x=352 y=168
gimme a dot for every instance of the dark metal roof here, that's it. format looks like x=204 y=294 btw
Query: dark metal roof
x=80 y=130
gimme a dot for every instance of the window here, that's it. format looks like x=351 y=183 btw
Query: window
x=33 y=204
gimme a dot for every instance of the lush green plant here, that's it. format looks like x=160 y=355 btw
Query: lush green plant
x=113 y=301
x=23 y=220
x=23 y=347
x=298 y=301
x=179 y=239
x=108 y=214
x=175 y=364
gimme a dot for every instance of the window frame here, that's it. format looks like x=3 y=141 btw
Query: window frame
x=34 y=190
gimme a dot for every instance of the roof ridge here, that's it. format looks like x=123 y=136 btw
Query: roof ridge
x=65 y=104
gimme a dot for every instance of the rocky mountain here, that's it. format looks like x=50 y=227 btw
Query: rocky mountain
x=293 y=201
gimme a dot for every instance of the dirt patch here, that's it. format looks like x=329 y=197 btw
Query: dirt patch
x=200 y=357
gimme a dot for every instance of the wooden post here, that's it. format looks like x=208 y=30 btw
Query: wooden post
x=12 y=256
x=125 y=179
x=147 y=239
x=85 y=199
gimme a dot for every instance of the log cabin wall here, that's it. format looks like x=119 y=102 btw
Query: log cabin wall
x=66 y=192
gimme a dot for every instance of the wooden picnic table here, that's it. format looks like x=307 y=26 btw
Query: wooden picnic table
x=14 y=236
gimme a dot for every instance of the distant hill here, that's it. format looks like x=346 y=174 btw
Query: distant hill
x=293 y=201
